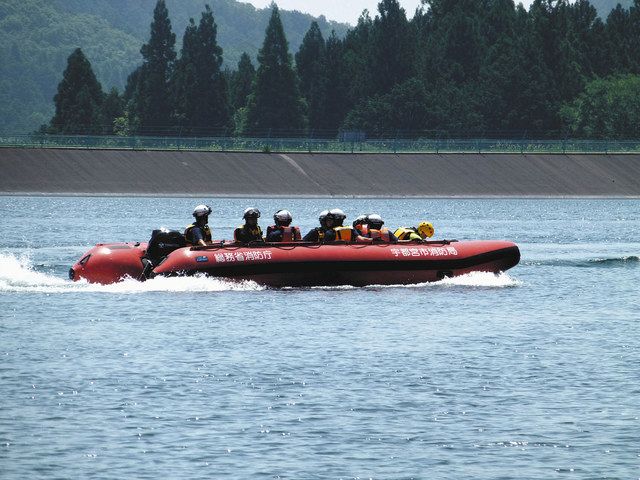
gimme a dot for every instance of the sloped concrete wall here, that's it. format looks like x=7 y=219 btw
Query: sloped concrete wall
x=125 y=172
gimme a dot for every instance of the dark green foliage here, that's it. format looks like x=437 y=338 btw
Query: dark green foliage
x=152 y=103
x=608 y=108
x=311 y=68
x=337 y=99
x=390 y=58
x=112 y=108
x=275 y=105
x=79 y=99
x=381 y=116
x=200 y=88
x=242 y=81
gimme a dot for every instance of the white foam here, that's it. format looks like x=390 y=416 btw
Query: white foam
x=473 y=279
x=18 y=275
x=482 y=279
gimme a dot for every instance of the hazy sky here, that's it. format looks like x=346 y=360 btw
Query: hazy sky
x=346 y=11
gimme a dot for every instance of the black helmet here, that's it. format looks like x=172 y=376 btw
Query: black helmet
x=361 y=220
x=251 y=213
x=375 y=221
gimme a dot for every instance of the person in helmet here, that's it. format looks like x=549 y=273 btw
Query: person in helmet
x=420 y=233
x=345 y=234
x=282 y=231
x=377 y=232
x=323 y=233
x=199 y=233
x=360 y=224
x=250 y=231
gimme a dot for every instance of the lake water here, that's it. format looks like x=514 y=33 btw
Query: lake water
x=531 y=374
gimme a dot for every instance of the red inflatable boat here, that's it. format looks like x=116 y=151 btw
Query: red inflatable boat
x=300 y=264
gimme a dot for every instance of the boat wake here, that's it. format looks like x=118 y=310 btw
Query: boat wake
x=18 y=274
x=473 y=279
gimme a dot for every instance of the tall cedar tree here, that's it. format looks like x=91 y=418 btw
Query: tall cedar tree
x=391 y=54
x=201 y=88
x=357 y=45
x=311 y=68
x=185 y=82
x=275 y=105
x=337 y=99
x=242 y=81
x=79 y=98
x=153 y=105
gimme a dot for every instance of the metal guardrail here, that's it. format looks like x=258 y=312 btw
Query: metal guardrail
x=241 y=144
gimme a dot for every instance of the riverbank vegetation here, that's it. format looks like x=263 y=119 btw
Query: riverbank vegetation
x=472 y=67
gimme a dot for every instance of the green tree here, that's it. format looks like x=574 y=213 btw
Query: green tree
x=79 y=99
x=607 y=108
x=275 y=104
x=356 y=47
x=112 y=108
x=185 y=81
x=391 y=54
x=153 y=106
x=337 y=101
x=242 y=81
x=201 y=89
x=311 y=68
x=401 y=111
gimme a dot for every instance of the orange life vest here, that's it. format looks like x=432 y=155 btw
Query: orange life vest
x=382 y=235
x=344 y=234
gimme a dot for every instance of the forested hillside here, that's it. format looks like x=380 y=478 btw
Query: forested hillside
x=37 y=37
x=458 y=67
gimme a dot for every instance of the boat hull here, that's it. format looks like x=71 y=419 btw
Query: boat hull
x=303 y=265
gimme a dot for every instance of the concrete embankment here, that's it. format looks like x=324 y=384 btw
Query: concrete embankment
x=125 y=172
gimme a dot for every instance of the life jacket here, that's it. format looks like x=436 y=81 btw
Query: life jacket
x=289 y=234
x=344 y=234
x=254 y=234
x=405 y=233
x=382 y=235
x=189 y=236
x=320 y=231
x=363 y=229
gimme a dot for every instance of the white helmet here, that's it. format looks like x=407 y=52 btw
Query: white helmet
x=282 y=217
x=323 y=215
x=201 y=211
x=338 y=214
x=375 y=220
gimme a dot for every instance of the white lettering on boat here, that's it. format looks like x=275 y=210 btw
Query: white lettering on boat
x=231 y=257
x=424 y=252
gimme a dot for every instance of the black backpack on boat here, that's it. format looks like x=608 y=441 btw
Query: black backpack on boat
x=162 y=243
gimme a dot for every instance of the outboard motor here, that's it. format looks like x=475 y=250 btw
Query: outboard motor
x=161 y=244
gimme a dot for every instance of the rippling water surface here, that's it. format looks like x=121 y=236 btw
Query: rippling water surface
x=534 y=373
